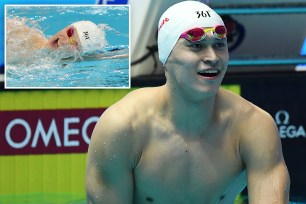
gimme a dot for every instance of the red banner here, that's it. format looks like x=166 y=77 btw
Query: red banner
x=46 y=131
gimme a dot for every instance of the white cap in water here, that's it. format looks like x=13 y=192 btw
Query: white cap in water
x=91 y=37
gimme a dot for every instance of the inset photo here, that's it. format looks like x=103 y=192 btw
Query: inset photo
x=67 y=46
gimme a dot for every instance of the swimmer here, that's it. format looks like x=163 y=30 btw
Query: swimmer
x=79 y=38
x=188 y=141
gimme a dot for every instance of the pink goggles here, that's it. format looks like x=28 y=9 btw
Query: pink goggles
x=198 y=34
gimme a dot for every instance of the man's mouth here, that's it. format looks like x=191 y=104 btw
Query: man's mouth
x=210 y=73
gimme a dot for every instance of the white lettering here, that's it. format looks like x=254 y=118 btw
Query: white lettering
x=279 y=119
x=46 y=136
x=282 y=131
x=70 y=137
x=85 y=126
x=14 y=122
x=290 y=132
x=301 y=132
x=68 y=132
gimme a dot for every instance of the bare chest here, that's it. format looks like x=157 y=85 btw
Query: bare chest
x=176 y=170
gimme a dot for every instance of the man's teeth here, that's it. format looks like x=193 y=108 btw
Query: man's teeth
x=209 y=72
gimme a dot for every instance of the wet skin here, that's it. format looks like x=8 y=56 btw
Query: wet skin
x=187 y=141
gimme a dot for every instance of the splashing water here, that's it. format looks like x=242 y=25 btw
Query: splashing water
x=23 y=39
x=25 y=44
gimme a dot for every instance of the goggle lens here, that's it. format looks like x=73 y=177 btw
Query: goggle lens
x=196 y=34
x=70 y=32
x=220 y=31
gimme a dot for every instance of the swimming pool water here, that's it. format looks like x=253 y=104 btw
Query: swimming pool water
x=87 y=74
x=45 y=72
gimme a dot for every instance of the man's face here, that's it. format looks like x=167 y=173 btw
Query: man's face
x=198 y=67
x=67 y=39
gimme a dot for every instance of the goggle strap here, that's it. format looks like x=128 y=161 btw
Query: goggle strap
x=71 y=40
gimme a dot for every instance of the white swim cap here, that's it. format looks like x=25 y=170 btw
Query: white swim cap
x=179 y=18
x=91 y=37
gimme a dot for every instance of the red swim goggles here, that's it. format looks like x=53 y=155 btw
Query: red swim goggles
x=70 y=32
x=198 y=34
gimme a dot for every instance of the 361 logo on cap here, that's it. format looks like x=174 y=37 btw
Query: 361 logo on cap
x=203 y=14
x=86 y=35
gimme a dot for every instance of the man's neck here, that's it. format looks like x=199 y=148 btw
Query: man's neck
x=190 y=117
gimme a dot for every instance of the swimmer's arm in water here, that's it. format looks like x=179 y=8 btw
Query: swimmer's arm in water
x=260 y=147
x=109 y=177
x=30 y=38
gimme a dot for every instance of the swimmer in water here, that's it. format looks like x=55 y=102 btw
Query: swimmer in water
x=79 y=38
x=188 y=141
x=82 y=35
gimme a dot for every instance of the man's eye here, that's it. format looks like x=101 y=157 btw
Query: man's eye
x=196 y=46
x=220 y=45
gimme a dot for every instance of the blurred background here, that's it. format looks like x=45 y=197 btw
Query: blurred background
x=44 y=134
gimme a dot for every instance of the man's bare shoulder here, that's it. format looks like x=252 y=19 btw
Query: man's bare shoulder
x=248 y=118
x=119 y=125
x=256 y=128
x=138 y=98
x=113 y=138
x=124 y=113
x=243 y=107
x=135 y=104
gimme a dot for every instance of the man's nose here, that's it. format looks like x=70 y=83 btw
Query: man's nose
x=209 y=56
